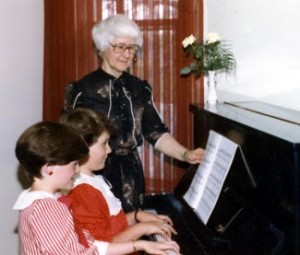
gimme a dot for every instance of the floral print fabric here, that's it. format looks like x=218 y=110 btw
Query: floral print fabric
x=128 y=103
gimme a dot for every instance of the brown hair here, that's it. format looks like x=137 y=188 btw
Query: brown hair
x=89 y=123
x=48 y=142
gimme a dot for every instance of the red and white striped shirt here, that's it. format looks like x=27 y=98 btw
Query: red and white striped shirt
x=46 y=227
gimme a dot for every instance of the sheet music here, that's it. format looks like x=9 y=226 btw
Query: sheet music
x=206 y=186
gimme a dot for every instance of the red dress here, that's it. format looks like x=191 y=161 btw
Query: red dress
x=96 y=209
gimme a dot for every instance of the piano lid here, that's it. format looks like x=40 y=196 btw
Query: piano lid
x=278 y=121
x=273 y=111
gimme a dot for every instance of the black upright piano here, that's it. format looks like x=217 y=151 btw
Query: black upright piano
x=258 y=210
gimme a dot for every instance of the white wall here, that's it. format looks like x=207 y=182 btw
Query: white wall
x=21 y=72
x=265 y=40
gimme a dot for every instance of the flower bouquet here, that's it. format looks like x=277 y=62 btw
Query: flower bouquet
x=210 y=55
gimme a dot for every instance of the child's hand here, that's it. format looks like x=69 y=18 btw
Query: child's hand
x=159 y=248
x=156 y=227
x=148 y=216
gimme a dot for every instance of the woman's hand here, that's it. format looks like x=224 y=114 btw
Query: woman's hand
x=168 y=145
x=194 y=156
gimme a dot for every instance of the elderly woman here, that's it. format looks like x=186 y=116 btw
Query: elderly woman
x=127 y=101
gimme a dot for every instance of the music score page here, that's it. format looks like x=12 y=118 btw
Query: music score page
x=208 y=181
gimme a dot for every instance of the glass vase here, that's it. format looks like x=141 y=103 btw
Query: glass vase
x=212 y=97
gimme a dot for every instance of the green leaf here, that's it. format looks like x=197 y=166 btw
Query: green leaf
x=186 y=70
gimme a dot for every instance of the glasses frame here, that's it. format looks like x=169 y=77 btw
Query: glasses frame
x=120 y=48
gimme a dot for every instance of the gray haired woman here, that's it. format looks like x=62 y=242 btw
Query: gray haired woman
x=127 y=101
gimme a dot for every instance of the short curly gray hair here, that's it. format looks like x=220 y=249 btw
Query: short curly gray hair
x=117 y=25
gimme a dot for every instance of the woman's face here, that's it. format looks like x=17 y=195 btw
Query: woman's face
x=114 y=60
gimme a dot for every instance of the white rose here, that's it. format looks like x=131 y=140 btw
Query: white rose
x=212 y=37
x=188 y=41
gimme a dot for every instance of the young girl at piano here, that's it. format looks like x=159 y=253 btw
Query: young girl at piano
x=50 y=154
x=93 y=204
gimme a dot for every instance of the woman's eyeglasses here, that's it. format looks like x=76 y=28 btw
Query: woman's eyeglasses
x=122 y=47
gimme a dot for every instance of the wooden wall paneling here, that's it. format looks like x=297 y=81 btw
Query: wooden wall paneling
x=188 y=89
x=86 y=57
x=69 y=51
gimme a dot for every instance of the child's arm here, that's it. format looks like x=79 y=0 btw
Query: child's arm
x=145 y=228
x=53 y=228
x=142 y=216
x=159 y=248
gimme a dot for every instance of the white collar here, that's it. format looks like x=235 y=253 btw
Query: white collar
x=99 y=183
x=27 y=197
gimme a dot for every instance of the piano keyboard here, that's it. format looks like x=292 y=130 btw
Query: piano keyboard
x=193 y=237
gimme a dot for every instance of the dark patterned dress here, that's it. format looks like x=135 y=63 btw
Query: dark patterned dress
x=127 y=101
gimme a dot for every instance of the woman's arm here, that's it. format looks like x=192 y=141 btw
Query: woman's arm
x=168 y=145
